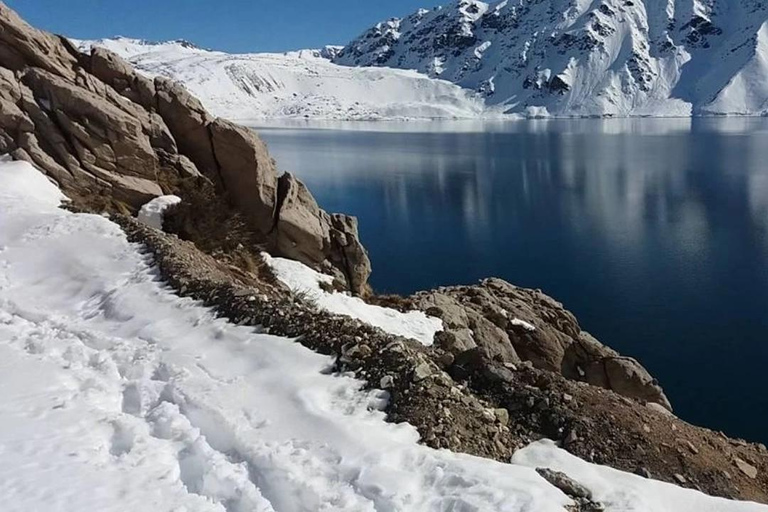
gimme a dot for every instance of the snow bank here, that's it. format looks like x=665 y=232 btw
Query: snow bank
x=19 y=184
x=623 y=491
x=151 y=213
x=300 y=278
x=119 y=395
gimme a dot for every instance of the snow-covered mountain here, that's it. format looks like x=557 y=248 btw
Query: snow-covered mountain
x=295 y=84
x=586 y=57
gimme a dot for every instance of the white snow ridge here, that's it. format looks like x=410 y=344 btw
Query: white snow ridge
x=302 y=84
x=117 y=395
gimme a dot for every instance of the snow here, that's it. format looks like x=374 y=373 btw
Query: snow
x=624 y=491
x=300 y=278
x=151 y=213
x=119 y=395
x=639 y=58
x=475 y=59
x=302 y=84
x=522 y=323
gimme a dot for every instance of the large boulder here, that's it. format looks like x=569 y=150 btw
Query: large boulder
x=306 y=233
x=511 y=324
x=254 y=192
x=112 y=138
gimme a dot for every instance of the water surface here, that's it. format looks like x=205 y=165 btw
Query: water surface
x=653 y=232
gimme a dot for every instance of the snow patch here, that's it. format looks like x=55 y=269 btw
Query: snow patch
x=624 y=491
x=302 y=279
x=152 y=213
x=522 y=323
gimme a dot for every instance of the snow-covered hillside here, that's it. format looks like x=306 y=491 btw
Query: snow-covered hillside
x=119 y=395
x=586 y=57
x=303 y=84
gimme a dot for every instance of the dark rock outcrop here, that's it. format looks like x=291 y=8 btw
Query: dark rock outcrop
x=113 y=138
x=511 y=324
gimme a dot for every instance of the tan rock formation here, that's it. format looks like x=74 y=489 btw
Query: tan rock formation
x=101 y=130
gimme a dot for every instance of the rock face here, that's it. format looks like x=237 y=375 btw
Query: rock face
x=498 y=321
x=110 y=136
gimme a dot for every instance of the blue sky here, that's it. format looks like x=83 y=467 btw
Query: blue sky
x=230 y=25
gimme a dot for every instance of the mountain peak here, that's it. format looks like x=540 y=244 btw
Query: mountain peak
x=570 y=57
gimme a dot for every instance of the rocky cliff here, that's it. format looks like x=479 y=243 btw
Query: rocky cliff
x=109 y=136
x=572 y=57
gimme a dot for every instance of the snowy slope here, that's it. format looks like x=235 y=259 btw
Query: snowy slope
x=119 y=395
x=586 y=57
x=295 y=85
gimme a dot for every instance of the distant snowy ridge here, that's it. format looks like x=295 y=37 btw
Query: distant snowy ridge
x=300 y=84
x=585 y=57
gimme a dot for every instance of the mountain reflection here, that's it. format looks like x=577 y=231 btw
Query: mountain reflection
x=653 y=231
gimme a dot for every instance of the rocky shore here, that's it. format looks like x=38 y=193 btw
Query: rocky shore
x=511 y=365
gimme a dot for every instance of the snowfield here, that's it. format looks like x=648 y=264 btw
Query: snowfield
x=301 y=84
x=119 y=395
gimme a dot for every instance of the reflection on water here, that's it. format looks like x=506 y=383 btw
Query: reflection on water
x=653 y=231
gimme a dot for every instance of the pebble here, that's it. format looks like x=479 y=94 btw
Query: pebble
x=680 y=478
x=502 y=416
x=387 y=382
x=446 y=360
x=643 y=472
x=421 y=372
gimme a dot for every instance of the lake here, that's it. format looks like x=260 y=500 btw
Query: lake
x=654 y=232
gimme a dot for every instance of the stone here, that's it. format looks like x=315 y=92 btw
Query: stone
x=188 y=122
x=659 y=409
x=680 y=479
x=691 y=447
x=22 y=46
x=565 y=483
x=387 y=382
x=421 y=372
x=502 y=416
x=116 y=72
x=748 y=469
x=446 y=359
x=247 y=171
x=306 y=233
x=643 y=472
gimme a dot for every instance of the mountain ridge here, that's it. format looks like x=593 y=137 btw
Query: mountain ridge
x=579 y=58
